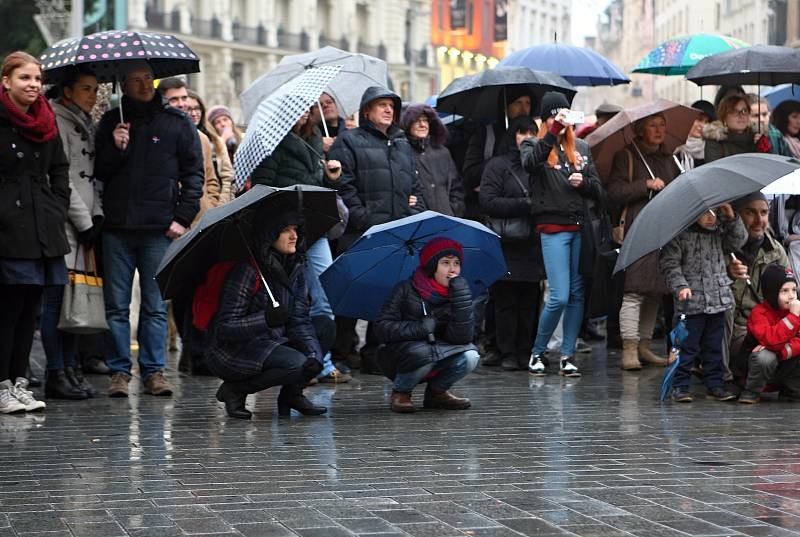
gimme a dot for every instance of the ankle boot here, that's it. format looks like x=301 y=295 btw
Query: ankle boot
x=401 y=402
x=630 y=355
x=58 y=386
x=291 y=397
x=234 y=402
x=647 y=356
x=76 y=378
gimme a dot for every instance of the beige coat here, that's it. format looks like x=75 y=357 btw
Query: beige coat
x=211 y=185
x=86 y=199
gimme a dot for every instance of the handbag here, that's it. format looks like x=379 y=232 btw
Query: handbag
x=514 y=228
x=83 y=309
x=618 y=231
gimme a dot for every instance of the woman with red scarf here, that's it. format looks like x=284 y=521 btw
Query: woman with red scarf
x=34 y=197
x=426 y=330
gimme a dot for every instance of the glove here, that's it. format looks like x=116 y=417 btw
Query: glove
x=88 y=237
x=429 y=326
x=276 y=315
x=459 y=283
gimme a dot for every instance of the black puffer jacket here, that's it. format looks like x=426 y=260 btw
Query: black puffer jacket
x=399 y=326
x=555 y=201
x=379 y=172
x=34 y=195
x=293 y=162
x=159 y=177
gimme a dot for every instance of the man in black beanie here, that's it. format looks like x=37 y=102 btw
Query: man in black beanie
x=760 y=250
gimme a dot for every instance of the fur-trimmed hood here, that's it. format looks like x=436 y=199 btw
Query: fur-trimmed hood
x=717 y=131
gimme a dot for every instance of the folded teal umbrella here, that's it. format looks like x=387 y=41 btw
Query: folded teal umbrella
x=677 y=55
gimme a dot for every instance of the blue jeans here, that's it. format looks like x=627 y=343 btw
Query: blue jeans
x=60 y=347
x=319 y=258
x=562 y=253
x=450 y=370
x=124 y=252
x=705 y=340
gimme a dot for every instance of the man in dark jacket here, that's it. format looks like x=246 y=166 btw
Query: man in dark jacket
x=152 y=169
x=379 y=181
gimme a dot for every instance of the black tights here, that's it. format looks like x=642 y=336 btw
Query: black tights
x=20 y=305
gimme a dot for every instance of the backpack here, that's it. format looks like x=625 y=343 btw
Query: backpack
x=205 y=302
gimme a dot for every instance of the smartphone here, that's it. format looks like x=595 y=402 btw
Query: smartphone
x=575 y=117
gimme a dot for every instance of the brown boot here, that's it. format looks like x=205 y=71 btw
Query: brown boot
x=630 y=355
x=156 y=384
x=119 y=385
x=648 y=357
x=445 y=400
x=401 y=402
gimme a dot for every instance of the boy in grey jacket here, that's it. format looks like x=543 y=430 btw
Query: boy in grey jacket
x=694 y=267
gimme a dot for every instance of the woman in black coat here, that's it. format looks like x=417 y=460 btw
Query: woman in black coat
x=426 y=330
x=505 y=193
x=255 y=344
x=34 y=197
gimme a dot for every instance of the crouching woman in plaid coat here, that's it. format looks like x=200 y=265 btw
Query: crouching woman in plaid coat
x=255 y=344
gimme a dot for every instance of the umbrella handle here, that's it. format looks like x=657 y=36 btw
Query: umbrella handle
x=322 y=117
x=119 y=91
x=275 y=303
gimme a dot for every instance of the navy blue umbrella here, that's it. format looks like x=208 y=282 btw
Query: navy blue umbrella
x=677 y=337
x=580 y=66
x=360 y=280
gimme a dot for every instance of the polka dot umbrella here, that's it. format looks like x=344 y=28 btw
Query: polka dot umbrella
x=102 y=52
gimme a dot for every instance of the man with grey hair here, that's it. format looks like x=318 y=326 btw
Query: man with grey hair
x=152 y=169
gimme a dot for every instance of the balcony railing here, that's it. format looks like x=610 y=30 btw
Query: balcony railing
x=292 y=41
x=246 y=34
x=207 y=28
x=378 y=51
x=163 y=21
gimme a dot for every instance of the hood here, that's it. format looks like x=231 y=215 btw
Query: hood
x=378 y=92
x=273 y=224
x=715 y=130
x=65 y=113
x=437 y=133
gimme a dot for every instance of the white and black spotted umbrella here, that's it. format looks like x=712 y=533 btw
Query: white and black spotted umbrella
x=103 y=53
x=276 y=115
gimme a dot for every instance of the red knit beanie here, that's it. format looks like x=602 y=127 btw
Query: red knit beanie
x=437 y=248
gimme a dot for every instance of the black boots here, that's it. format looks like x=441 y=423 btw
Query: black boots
x=291 y=397
x=234 y=402
x=58 y=386
x=76 y=378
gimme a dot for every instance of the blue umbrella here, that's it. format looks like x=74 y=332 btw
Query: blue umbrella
x=360 y=280
x=677 y=337
x=580 y=66
x=781 y=93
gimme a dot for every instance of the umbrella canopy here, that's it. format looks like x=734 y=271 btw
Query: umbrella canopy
x=102 y=52
x=358 y=72
x=695 y=192
x=677 y=337
x=219 y=234
x=617 y=132
x=788 y=184
x=677 y=55
x=765 y=65
x=778 y=94
x=276 y=116
x=482 y=95
x=580 y=66
x=361 y=279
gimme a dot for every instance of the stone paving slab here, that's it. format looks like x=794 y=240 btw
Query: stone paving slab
x=595 y=456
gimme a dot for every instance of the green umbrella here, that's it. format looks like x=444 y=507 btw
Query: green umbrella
x=679 y=54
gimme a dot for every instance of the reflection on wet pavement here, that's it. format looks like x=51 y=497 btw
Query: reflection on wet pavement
x=597 y=455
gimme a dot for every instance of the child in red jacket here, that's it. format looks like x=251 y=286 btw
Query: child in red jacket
x=775 y=325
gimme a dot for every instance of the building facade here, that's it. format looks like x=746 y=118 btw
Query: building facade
x=240 y=40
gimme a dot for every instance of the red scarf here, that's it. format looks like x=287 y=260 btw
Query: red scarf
x=37 y=125
x=428 y=288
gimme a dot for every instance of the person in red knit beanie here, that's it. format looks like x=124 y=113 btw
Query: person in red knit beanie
x=775 y=326
x=425 y=328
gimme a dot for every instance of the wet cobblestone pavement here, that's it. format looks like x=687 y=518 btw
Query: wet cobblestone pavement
x=595 y=456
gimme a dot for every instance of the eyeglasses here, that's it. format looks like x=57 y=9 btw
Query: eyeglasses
x=194 y=109
x=741 y=112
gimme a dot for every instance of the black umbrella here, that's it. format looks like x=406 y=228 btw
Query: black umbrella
x=764 y=65
x=482 y=96
x=695 y=192
x=223 y=232
x=102 y=52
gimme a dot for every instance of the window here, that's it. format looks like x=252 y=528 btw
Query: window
x=237 y=75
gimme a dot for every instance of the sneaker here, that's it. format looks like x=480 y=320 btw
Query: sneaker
x=568 y=368
x=748 y=397
x=720 y=394
x=335 y=377
x=681 y=395
x=25 y=396
x=119 y=385
x=582 y=347
x=156 y=384
x=536 y=367
x=9 y=403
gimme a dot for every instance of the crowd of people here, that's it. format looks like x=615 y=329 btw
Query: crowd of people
x=108 y=198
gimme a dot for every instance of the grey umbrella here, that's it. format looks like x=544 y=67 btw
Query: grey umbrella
x=764 y=65
x=359 y=72
x=695 y=192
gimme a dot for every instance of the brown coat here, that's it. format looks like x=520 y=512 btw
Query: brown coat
x=211 y=186
x=644 y=275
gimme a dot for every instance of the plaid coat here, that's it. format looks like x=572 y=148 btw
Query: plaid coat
x=240 y=340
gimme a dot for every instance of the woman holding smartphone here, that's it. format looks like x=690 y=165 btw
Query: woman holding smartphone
x=563 y=177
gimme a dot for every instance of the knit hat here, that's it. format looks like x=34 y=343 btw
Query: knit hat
x=706 y=108
x=772 y=279
x=741 y=203
x=437 y=248
x=607 y=109
x=218 y=111
x=552 y=102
